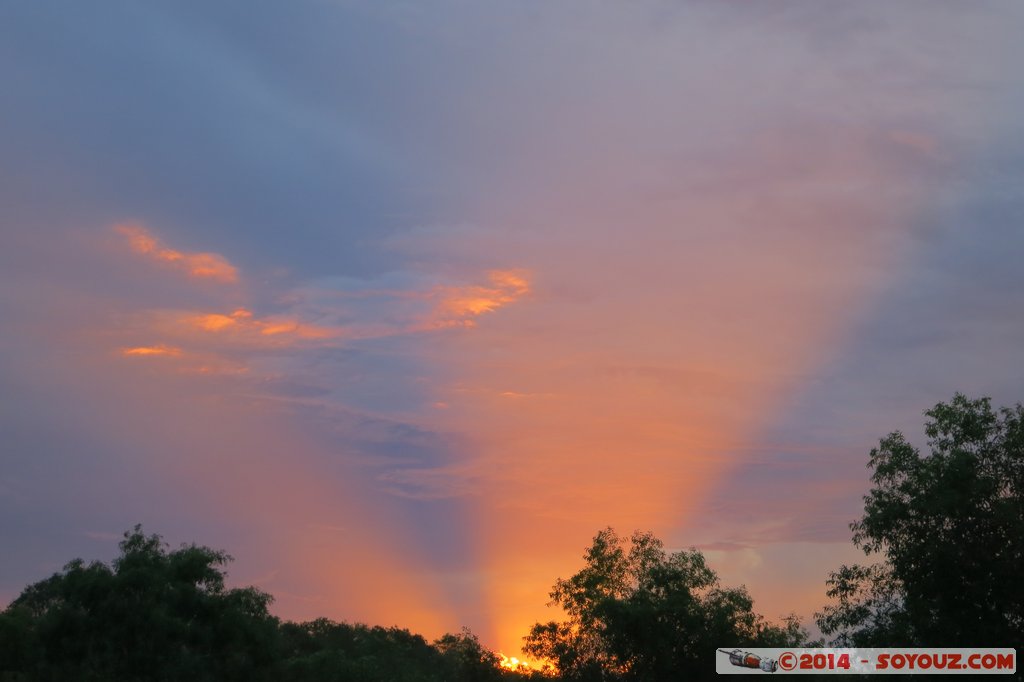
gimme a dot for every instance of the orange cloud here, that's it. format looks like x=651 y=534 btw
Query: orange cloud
x=243 y=322
x=200 y=265
x=145 y=351
x=215 y=322
x=189 y=362
x=296 y=329
x=211 y=335
x=459 y=305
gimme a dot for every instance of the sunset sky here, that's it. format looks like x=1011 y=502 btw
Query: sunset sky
x=401 y=302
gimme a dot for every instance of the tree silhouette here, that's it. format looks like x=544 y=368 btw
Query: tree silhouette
x=638 y=613
x=949 y=530
x=152 y=614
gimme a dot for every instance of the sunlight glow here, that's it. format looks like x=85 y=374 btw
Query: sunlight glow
x=517 y=665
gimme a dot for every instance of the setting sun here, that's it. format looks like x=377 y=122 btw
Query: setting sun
x=515 y=664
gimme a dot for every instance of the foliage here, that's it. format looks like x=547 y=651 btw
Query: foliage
x=949 y=529
x=155 y=615
x=159 y=615
x=638 y=613
x=467 y=659
x=325 y=650
x=151 y=615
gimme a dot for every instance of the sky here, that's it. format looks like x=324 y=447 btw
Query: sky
x=401 y=303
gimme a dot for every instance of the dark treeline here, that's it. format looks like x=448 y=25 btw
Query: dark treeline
x=946 y=531
x=156 y=614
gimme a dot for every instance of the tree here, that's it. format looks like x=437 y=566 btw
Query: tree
x=467 y=659
x=325 y=650
x=949 y=530
x=152 y=614
x=638 y=613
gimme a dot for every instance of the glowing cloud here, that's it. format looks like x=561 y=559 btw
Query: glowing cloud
x=152 y=351
x=215 y=322
x=459 y=305
x=296 y=329
x=434 y=308
x=200 y=265
x=242 y=323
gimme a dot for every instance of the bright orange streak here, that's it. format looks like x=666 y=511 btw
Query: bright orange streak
x=271 y=329
x=168 y=351
x=202 y=265
x=214 y=322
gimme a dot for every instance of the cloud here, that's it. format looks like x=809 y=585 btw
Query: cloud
x=459 y=305
x=336 y=346
x=202 y=265
x=242 y=325
x=191 y=362
x=215 y=322
x=310 y=317
x=152 y=351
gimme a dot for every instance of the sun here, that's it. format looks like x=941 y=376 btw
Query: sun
x=517 y=665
